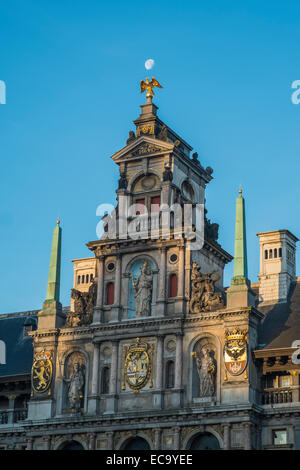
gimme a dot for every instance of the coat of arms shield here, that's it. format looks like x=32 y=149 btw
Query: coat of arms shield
x=137 y=367
x=235 y=352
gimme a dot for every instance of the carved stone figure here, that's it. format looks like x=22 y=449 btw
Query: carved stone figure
x=167 y=174
x=206 y=368
x=131 y=137
x=84 y=303
x=163 y=134
x=203 y=296
x=143 y=291
x=75 y=388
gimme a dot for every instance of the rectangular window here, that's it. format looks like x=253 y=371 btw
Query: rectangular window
x=155 y=204
x=141 y=209
x=284 y=381
x=279 y=437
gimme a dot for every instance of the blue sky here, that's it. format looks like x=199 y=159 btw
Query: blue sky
x=72 y=72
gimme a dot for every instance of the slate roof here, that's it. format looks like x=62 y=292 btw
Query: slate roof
x=19 y=349
x=281 y=323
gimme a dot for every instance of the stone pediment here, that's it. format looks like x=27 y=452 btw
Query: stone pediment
x=143 y=146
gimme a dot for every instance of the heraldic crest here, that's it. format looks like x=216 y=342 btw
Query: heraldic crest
x=137 y=365
x=235 y=352
x=41 y=372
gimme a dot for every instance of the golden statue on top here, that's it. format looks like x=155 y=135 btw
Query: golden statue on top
x=146 y=85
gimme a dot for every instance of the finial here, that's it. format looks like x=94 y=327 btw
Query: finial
x=146 y=85
x=240 y=190
x=58 y=221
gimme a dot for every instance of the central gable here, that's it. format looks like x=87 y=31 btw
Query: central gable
x=141 y=147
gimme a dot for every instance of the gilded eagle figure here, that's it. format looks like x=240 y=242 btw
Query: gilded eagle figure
x=146 y=85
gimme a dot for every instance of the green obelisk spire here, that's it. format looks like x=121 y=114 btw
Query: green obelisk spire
x=54 y=269
x=240 y=272
x=51 y=316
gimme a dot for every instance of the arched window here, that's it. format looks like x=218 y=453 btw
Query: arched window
x=275 y=252
x=173 y=285
x=280 y=252
x=78 y=279
x=91 y=277
x=110 y=293
x=105 y=380
x=270 y=254
x=170 y=374
x=87 y=278
x=266 y=254
x=82 y=279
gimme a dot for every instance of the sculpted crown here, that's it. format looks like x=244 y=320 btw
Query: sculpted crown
x=236 y=334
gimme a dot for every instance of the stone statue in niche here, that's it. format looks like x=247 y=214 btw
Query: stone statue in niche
x=206 y=368
x=84 y=303
x=203 y=295
x=143 y=291
x=75 y=381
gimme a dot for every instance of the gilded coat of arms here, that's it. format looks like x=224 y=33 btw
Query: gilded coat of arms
x=236 y=352
x=137 y=365
x=41 y=372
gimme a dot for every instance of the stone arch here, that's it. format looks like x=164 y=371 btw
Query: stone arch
x=138 y=439
x=62 y=441
x=133 y=180
x=203 y=440
x=188 y=190
x=84 y=366
x=139 y=257
x=198 y=342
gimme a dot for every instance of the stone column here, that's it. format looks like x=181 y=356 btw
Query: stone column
x=247 y=436
x=181 y=272
x=98 y=312
x=111 y=401
x=11 y=408
x=92 y=441
x=159 y=362
x=118 y=281
x=47 y=440
x=158 y=392
x=115 y=310
x=93 y=405
x=178 y=360
x=177 y=438
x=227 y=443
x=29 y=443
x=110 y=440
x=162 y=275
x=157 y=438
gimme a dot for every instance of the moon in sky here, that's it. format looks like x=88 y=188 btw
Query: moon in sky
x=149 y=64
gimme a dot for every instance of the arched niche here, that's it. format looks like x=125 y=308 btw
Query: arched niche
x=141 y=274
x=75 y=382
x=203 y=441
x=71 y=445
x=205 y=369
x=141 y=183
x=135 y=443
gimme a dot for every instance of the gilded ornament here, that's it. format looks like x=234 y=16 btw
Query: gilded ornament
x=41 y=372
x=137 y=365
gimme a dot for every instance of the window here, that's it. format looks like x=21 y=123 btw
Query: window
x=173 y=285
x=82 y=279
x=87 y=278
x=270 y=254
x=91 y=277
x=110 y=293
x=141 y=209
x=155 y=204
x=279 y=437
x=78 y=280
x=170 y=374
x=105 y=380
x=275 y=252
x=280 y=252
x=266 y=254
